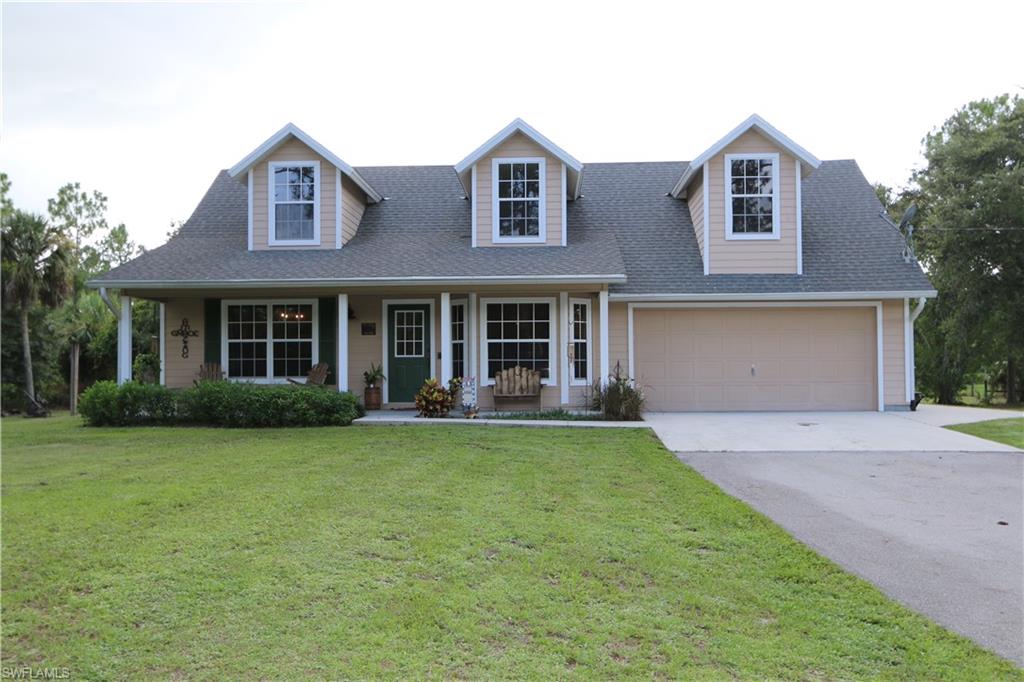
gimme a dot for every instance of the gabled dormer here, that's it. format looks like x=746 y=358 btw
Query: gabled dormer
x=745 y=203
x=519 y=183
x=301 y=195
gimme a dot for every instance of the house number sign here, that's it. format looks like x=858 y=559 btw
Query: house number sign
x=185 y=331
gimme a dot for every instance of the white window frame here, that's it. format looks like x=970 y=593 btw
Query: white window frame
x=464 y=372
x=552 y=379
x=269 y=303
x=542 y=235
x=588 y=380
x=423 y=323
x=774 y=158
x=272 y=239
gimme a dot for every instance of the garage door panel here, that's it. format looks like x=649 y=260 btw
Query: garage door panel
x=804 y=358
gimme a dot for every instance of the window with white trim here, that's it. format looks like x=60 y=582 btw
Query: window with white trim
x=269 y=341
x=519 y=203
x=752 y=205
x=579 y=334
x=518 y=333
x=294 y=212
x=459 y=339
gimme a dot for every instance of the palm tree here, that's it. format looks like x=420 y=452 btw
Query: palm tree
x=36 y=261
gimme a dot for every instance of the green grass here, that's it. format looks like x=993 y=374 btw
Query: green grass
x=1009 y=431
x=416 y=551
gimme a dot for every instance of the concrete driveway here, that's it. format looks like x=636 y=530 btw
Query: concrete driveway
x=940 y=532
x=824 y=431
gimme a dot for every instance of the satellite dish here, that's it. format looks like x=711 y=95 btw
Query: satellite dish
x=908 y=215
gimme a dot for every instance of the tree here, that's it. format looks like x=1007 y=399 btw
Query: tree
x=116 y=248
x=36 y=262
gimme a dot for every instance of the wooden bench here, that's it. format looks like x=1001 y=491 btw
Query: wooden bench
x=517 y=383
x=317 y=375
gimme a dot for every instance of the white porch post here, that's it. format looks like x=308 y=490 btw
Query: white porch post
x=342 y=364
x=603 y=343
x=124 y=341
x=472 y=339
x=163 y=344
x=446 y=338
x=563 y=342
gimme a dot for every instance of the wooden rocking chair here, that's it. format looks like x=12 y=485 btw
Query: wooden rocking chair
x=209 y=371
x=316 y=377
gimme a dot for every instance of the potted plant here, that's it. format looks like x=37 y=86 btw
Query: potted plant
x=373 y=377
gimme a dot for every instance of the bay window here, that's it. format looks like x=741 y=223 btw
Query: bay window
x=519 y=332
x=268 y=341
x=751 y=206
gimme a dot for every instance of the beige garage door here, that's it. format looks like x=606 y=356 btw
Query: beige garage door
x=756 y=358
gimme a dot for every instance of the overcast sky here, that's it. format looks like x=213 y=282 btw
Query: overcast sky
x=146 y=102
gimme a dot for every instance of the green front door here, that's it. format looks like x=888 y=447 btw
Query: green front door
x=408 y=350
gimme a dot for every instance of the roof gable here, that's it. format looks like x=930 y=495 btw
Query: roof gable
x=291 y=130
x=754 y=122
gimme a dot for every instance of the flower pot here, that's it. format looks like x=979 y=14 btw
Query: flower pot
x=371 y=398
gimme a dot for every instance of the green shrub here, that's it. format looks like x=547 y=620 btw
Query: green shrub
x=621 y=399
x=216 y=403
x=146 y=368
x=12 y=400
x=434 y=400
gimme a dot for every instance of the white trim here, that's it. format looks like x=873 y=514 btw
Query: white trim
x=385 y=398
x=269 y=303
x=124 y=341
x=542 y=226
x=877 y=305
x=518 y=126
x=341 y=370
x=564 y=339
x=472 y=203
x=799 y=219
x=754 y=121
x=809 y=296
x=589 y=380
x=272 y=239
x=460 y=280
x=446 y=337
x=602 y=302
x=707 y=221
x=471 y=335
x=565 y=213
x=292 y=130
x=466 y=366
x=776 y=211
x=553 y=335
x=249 y=219
x=908 y=352
x=912 y=362
x=163 y=344
x=337 y=208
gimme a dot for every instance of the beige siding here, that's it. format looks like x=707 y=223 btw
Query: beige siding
x=353 y=204
x=519 y=145
x=292 y=150
x=893 y=353
x=180 y=372
x=618 y=336
x=695 y=200
x=753 y=255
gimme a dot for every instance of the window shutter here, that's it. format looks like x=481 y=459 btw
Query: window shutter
x=328 y=321
x=211 y=331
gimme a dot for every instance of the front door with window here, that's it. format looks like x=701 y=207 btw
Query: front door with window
x=408 y=350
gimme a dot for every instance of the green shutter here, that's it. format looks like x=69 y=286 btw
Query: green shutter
x=328 y=311
x=211 y=331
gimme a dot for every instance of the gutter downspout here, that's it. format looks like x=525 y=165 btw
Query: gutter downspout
x=917 y=309
x=913 y=360
x=106 y=299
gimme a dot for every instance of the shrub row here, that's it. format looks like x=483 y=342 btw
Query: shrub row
x=216 y=403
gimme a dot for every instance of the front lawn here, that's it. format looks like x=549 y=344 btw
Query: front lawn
x=1009 y=431
x=413 y=551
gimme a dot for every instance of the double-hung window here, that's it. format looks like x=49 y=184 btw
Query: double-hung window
x=269 y=341
x=459 y=339
x=294 y=211
x=519 y=332
x=752 y=196
x=518 y=202
x=579 y=338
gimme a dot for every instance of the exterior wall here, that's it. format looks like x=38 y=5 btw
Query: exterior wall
x=893 y=355
x=180 y=372
x=519 y=145
x=695 y=200
x=752 y=255
x=353 y=205
x=294 y=150
x=618 y=336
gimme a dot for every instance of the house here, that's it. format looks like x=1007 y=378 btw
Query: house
x=754 y=277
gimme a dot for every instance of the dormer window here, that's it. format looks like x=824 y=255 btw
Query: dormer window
x=294 y=203
x=752 y=206
x=518 y=202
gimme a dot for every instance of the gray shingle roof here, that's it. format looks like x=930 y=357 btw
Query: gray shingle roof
x=625 y=224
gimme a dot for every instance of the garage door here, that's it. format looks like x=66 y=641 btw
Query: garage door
x=756 y=358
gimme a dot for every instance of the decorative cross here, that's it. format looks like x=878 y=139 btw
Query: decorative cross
x=184 y=331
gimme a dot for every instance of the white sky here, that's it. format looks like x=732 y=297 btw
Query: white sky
x=146 y=102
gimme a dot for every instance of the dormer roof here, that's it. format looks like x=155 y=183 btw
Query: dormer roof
x=291 y=130
x=574 y=169
x=762 y=126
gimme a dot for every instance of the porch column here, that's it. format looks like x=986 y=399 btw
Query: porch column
x=563 y=345
x=446 y=338
x=124 y=341
x=602 y=301
x=342 y=364
x=163 y=344
x=473 y=339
